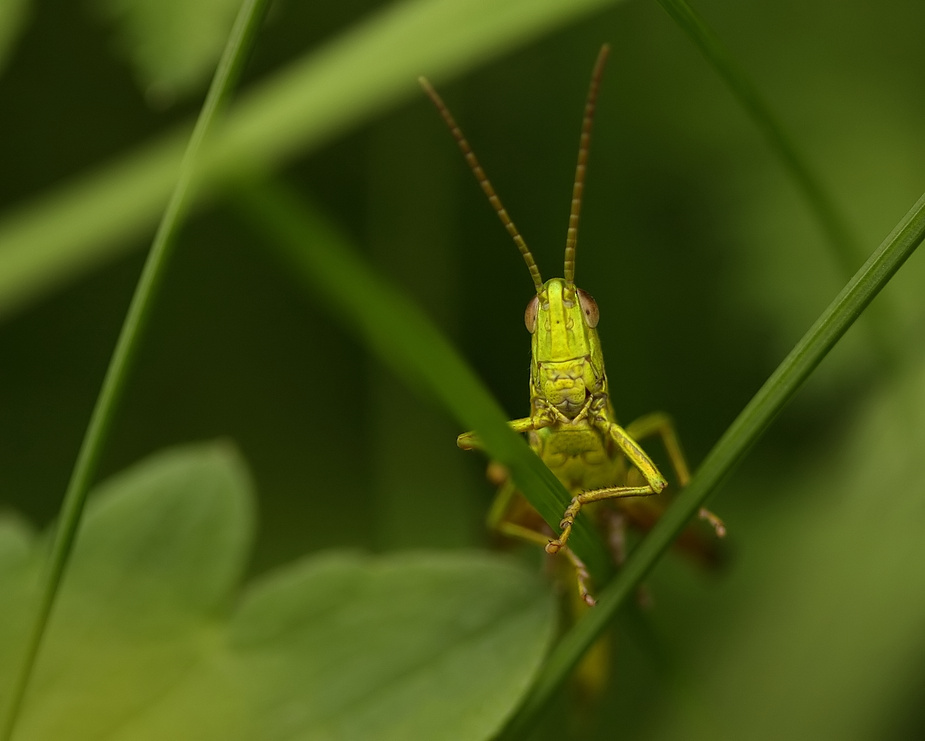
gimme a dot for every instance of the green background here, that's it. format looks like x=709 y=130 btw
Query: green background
x=704 y=259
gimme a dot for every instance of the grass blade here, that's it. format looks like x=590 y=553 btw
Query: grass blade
x=731 y=448
x=835 y=225
x=236 y=52
x=403 y=338
x=372 y=65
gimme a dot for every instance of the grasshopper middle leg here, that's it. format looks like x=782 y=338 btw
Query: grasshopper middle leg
x=661 y=425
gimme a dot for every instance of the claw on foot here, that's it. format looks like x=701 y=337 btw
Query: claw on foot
x=565 y=529
x=718 y=526
x=581 y=573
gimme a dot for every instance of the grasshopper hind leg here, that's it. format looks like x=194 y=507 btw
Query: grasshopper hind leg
x=614 y=524
x=659 y=424
x=503 y=516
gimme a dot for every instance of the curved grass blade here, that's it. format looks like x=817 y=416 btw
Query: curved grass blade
x=373 y=65
x=229 y=68
x=403 y=337
x=725 y=455
x=834 y=224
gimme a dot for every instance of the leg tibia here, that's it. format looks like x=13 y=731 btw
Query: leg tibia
x=586 y=497
x=660 y=424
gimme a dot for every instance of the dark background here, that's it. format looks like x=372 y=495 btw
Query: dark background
x=705 y=260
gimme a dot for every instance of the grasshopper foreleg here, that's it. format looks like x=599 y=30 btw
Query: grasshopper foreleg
x=470 y=440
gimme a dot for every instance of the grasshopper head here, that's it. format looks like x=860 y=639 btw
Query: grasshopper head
x=567 y=361
x=567 y=366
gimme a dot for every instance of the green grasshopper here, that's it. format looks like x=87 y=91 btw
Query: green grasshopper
x=572 y=426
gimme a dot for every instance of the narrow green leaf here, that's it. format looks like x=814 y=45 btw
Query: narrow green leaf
x=173 y=45
x=731 y=448
x=400 y=334
x=846 y=247
x=370 y=67
x=229 y=68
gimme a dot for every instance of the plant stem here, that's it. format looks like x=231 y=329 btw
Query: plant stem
x=845 y=247
x=726 y=454
x=404 y=338
x=240 y=42
x=833 y=223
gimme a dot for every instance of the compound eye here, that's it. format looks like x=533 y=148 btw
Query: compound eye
x=530 y=314
x=588 y=308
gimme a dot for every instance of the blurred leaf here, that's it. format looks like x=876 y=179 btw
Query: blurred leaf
x=173 y=45
x=13 y=16
x=366 y=69
x=144 y=644
x=160 y=549
x=19 y=568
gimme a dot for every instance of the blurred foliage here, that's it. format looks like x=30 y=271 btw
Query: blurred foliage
x=173 y=46
x=150 y=640
x=13 y=15
x=706 y=264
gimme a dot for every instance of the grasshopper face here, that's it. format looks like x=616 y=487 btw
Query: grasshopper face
x=567 y=363
x=568 y=368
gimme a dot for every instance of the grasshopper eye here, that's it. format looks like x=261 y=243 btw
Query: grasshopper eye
x=530 y=314
x=589 y=308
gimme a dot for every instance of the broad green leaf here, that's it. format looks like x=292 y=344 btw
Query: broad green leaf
x=420 y=645
x=173 y=45
x=149 y=641
x=157 y=556
x=19 y=570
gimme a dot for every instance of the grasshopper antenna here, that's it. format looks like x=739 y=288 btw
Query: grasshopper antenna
x=485 y=183
x=584 y=143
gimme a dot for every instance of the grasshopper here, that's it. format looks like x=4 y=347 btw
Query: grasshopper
x=572 y=426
